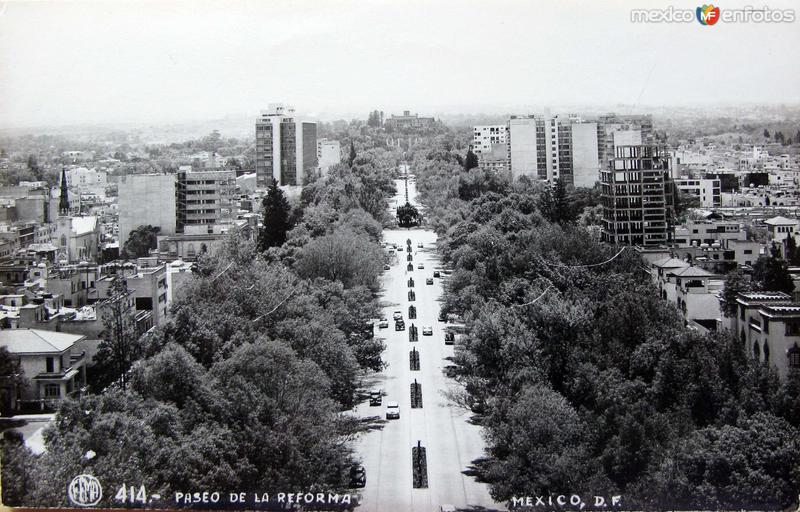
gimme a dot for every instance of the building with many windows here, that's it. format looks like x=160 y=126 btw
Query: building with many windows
x=204 y=198
x=483 y=137
x=637 y=197
x=286 y=147
x=409 y=122
x=768 y=327
x=707 y=191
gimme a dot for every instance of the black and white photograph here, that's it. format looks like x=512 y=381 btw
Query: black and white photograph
x=400 y=255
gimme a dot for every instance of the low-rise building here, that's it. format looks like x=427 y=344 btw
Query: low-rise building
x=768 y=327
x=51 y=363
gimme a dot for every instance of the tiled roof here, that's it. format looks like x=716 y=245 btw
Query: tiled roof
x=35 y=341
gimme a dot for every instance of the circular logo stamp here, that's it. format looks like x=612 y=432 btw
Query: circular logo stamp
x=85 y=491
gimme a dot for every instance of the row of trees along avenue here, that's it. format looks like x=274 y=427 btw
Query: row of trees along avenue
x=583 y=378
x=247 y=383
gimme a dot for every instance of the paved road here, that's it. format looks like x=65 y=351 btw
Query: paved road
x=451 y=442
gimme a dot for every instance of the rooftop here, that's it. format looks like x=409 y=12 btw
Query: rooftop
x=34 y=341
x=780 y=221
x=670 y=263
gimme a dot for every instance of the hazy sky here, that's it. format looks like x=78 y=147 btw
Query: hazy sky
x=76 y=62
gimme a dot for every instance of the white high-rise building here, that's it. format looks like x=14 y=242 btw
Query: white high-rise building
x=286 y=146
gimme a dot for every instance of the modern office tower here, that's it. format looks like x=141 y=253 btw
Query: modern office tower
x=540 y=146
x=146 y=199
x=286 y=146
x=637 y=196
x=483 y=137
x=329 y=152
x=204 y=198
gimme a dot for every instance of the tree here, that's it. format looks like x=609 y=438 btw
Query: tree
x=771 y=273
x=140 y=241
x=12 y=380
x=351 y=259
x=471 y=160
x=766 y=133
x=407 y=215
x=792 y=253
x=119 y=348
x=352 y=157
x=276 y=218
x=555 y=204
x=736 y=282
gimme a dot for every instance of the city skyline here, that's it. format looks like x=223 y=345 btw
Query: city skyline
x=83 y=63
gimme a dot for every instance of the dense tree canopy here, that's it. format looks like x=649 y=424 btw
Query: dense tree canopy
x=582 y=376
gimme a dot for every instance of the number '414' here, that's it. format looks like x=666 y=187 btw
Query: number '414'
x=129 y=494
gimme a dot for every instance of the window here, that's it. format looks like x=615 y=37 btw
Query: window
x=51 y=365
x=756 y=350
x=766 y=325
x=766 y=351
x=741 y=312
x=793 y=327
x=52 y=391
x=794 y=356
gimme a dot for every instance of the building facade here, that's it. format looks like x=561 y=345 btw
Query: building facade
x=483 y=137
x=637 y=197
x=286 y=147
x=147 y=199
x=205 y=198
x=707 y=191
x=329 y=153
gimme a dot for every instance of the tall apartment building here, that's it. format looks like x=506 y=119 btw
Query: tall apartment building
x=637 y=197
x=204 y=198
x=540 y=146
x=176 y=203
x=286 y=146
x=628 y=130
x=483 y=137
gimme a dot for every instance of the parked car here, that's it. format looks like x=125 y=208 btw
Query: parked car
x=386 y=267
x=419 y=246
x=427 y=330
x=436 y=273
x=392 y=410
x=447 y=508
x=397 y=315
x=399 y=325
x=375 y=397
x=442 y=316
x=383 y=323
x=358 y=476
x=429 y=280
x=449 y=338
x=420 y=266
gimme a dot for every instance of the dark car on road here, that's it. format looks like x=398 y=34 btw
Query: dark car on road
x=442 y=316
x=449 y=338
x=399 y=325
x=429 y=280
x=436 y=273
x=358 y=476
x=375 y=397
